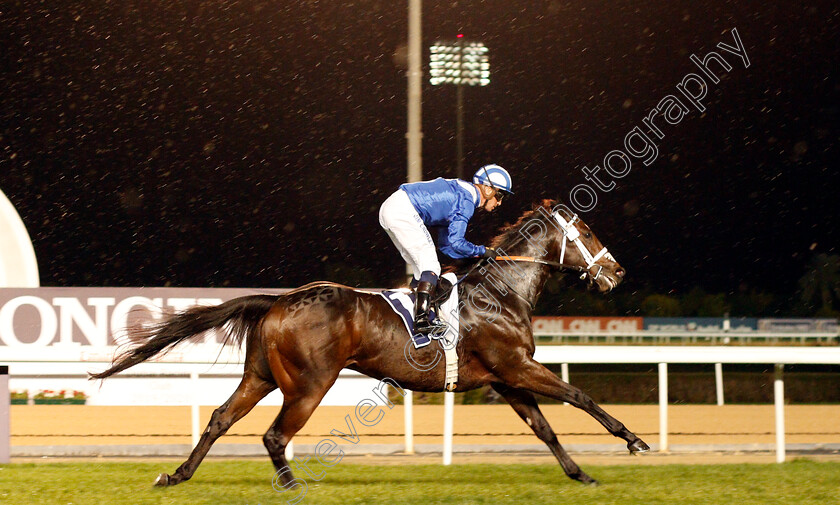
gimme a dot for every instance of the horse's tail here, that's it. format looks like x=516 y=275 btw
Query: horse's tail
x=242 y=315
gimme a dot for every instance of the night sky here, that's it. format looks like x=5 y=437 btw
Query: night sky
x=251 y=143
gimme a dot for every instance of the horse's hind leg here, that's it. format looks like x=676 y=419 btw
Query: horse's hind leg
x=250 y=391
x=536 y=378
x=296 y=410
x=525 y=404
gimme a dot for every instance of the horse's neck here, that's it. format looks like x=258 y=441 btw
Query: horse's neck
x=525 y=279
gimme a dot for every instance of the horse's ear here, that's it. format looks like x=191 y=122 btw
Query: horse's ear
x=546 y=204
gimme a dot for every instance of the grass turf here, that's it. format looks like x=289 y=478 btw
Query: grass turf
x=249 y=482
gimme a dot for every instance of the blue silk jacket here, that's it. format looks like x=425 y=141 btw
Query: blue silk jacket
x=448 y=203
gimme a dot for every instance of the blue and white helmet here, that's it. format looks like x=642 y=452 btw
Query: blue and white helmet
x=494 y=176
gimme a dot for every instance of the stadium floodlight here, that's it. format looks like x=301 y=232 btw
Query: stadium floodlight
x=461 y=64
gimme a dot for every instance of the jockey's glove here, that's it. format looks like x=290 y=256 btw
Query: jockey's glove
x=490 y=253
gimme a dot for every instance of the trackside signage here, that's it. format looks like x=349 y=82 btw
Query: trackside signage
x=552 y=325
x=96 y=317
x=700 y=324
x=798 y=325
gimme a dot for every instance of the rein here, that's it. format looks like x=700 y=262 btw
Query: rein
x=531 y=259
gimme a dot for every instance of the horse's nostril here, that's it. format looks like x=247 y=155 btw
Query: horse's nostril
x=619 y=272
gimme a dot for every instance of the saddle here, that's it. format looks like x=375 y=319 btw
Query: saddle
x=402 y=302
x=445 y=306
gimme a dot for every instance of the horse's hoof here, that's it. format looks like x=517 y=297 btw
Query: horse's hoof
x=162 y=480
x=584 y=479
x=593 y=483
x=638 y=446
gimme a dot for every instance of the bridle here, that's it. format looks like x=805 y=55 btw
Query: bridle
x=570 y=234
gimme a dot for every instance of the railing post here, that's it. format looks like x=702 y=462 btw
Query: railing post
x=779 y=398
x=663 y=407
x=408 y=406
x=194 y=411
x=5 y=416
x=719 y=383
x=564 y=375
x=448 y=411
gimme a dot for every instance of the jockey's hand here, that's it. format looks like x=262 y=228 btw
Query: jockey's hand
x=489 y=253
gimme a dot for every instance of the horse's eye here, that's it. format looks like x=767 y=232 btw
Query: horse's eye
x=587 y=235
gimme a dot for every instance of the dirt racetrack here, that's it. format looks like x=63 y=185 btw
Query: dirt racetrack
x=473 y=424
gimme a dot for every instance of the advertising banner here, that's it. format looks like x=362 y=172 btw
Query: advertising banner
x=544 y=325
x=95 y=317
x=791 y=325
x=700 y=324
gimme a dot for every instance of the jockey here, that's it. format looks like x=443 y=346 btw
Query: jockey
x=449 y=204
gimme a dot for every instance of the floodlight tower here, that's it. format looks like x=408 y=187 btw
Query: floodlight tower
x=462 y=64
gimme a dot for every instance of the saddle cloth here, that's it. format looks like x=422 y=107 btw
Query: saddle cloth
x=401 y=302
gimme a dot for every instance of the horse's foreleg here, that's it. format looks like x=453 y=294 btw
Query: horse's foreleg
x=525 y=404
x=534 y=377
x=250 y=391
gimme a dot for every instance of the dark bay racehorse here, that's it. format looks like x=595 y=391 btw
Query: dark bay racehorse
x=300 y=341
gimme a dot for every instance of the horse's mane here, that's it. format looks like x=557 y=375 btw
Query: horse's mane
x=506 y=235
x=509 y=231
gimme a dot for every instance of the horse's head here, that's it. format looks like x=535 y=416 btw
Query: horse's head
x=555 y=234
x=576 y=245
x=552 y=234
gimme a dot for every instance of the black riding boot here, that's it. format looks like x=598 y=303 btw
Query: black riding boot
x=425 y=291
